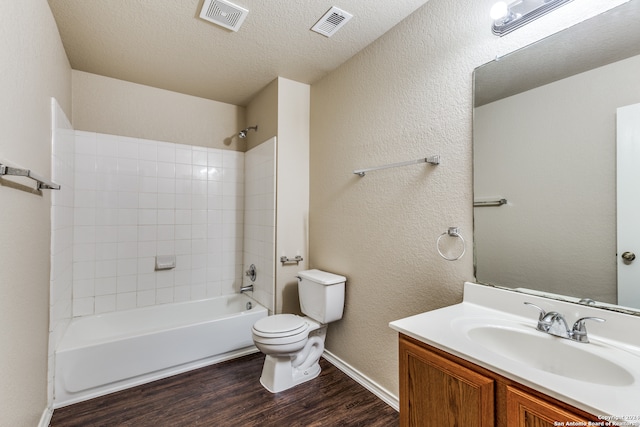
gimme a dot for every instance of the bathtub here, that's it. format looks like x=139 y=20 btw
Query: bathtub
x=109 y=352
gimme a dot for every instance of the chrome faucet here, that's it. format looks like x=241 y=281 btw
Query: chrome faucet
x=248 y=288
x=554 y=323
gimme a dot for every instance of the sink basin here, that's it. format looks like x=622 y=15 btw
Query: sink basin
x=548 y=353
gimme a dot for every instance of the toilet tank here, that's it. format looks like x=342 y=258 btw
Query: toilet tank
x=321 y=295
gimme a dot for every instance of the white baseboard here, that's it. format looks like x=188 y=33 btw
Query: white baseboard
x=375 y=388
x=45 y=419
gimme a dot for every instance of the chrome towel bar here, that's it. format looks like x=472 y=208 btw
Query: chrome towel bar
x=434 y=160
x=41 y=183
x=285 y=260
x=489 y=203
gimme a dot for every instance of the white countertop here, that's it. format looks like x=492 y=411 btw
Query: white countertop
x=444 y=328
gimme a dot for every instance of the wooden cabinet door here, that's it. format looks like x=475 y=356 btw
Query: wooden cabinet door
x=525 y=410
x=435 y=391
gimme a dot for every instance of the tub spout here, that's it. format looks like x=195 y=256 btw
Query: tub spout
x=246 y=288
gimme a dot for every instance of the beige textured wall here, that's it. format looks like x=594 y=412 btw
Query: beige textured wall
x=292 y=210
x=408 y=95
x=262 y=111
x=106 y=105
x=34 y=69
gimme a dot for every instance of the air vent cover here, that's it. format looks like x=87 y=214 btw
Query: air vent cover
x=223 y=13
x=331 y=22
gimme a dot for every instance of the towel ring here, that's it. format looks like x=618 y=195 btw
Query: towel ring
x=453 y=232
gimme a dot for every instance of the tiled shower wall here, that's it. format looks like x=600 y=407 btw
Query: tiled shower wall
x=260 y=220
x=135 y=199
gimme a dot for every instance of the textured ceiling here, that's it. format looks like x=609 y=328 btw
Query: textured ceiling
x=164 y=43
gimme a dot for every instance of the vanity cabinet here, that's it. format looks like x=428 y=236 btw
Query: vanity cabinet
x=439 y=389
x=526 y=410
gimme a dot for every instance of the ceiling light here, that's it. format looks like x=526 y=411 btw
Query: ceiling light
x=499 y=10
x=509 y=17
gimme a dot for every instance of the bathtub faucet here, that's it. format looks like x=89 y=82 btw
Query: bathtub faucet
x=246 y=288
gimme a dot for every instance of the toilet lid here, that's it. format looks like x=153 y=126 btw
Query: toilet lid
x=280 y=325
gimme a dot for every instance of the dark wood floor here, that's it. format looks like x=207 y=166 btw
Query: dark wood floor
x=230 y=394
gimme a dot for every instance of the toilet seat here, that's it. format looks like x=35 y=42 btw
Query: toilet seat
x=280 y=329
x=280 y=325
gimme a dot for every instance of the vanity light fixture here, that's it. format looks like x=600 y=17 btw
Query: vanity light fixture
x=508 y=17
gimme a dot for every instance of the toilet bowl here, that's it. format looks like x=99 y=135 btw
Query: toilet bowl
x=294 y=344
x=292 y=354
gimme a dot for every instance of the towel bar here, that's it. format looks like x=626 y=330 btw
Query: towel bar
x=41 y=183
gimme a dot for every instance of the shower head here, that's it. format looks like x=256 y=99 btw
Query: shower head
x=243 y=132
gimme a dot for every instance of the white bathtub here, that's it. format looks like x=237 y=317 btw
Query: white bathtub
x=104 y=353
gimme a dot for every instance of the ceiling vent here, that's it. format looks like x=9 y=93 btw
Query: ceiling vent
x=223 y=13
x=331 y=22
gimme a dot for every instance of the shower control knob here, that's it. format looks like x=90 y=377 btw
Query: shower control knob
x=628 y=256
x=251 y=272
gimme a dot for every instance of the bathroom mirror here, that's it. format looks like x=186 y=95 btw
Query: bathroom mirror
x=545 y=141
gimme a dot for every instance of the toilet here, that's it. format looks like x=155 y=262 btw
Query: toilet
x=293 y=344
